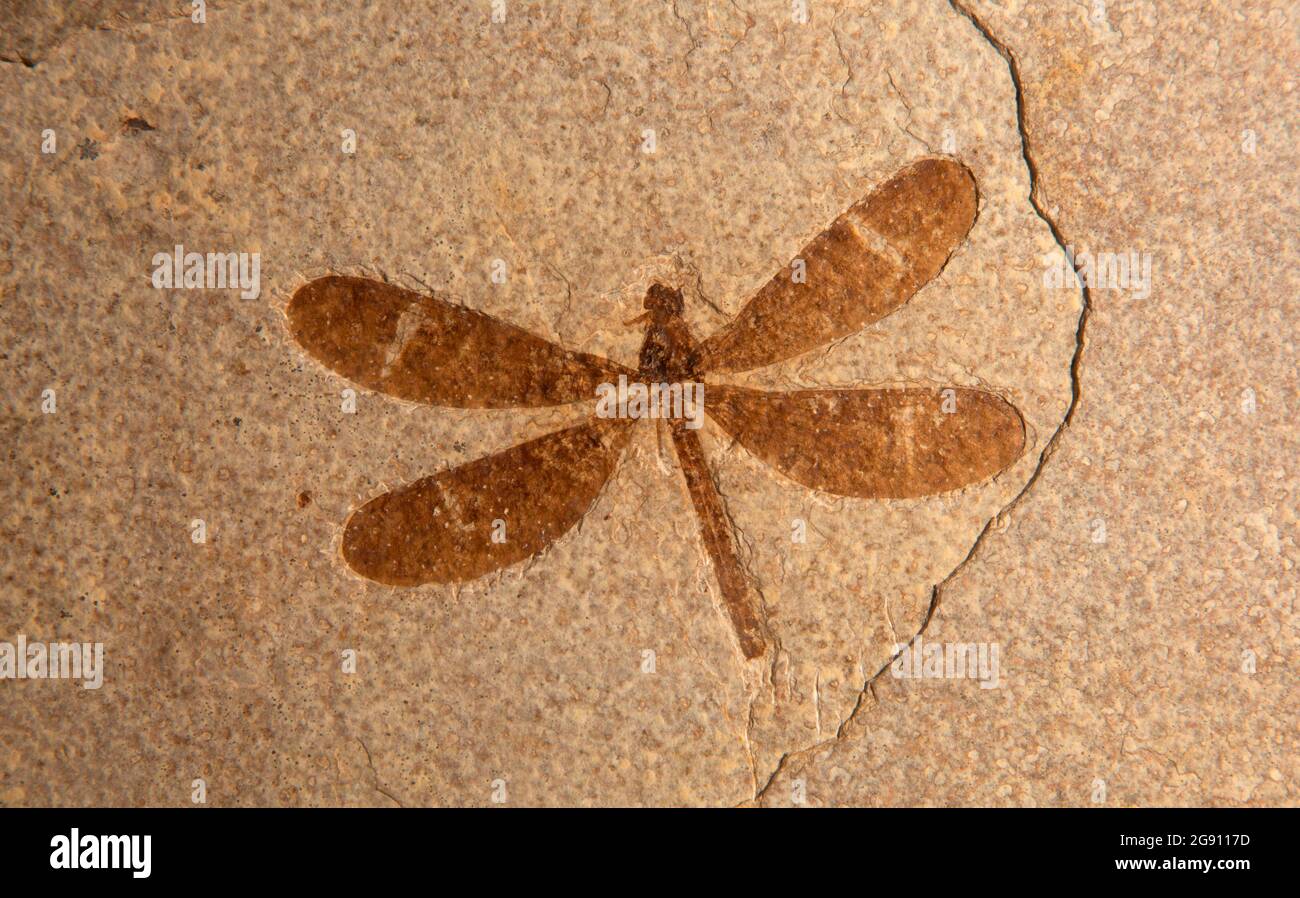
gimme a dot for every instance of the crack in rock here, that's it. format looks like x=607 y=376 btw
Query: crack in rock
x=789 y=759
x=378 y=788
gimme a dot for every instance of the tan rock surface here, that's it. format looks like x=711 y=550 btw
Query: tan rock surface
x=523 y=141
x=1127 y=678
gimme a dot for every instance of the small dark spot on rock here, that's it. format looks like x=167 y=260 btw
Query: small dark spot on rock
x=88 y=149
x=304 y=499
x=239 y=421
x=135 y=125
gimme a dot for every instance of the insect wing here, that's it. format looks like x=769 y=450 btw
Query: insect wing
x=486 y=514
x=874 y=444
x=870 y=261
x=427 y=349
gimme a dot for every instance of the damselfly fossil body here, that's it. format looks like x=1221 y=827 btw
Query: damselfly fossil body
x=884 y=443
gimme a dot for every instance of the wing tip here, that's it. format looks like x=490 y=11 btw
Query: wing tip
x=308 y=298
x=1014 y=449
x=950 y=177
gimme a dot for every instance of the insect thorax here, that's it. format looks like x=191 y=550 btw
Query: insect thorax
x=667 y=353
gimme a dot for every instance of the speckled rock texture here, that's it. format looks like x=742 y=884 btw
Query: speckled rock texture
x=1135 y=568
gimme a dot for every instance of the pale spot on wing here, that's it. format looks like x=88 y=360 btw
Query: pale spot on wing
x=408 y=327
x=876 y=242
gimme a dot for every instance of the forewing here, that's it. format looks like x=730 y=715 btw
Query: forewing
x=865 y=265
x=874 y=444
x=426 y=349
x=486 y=514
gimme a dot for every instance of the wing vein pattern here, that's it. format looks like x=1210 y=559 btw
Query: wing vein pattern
x=867 y=264
x=426 y=349
x=874 y=444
